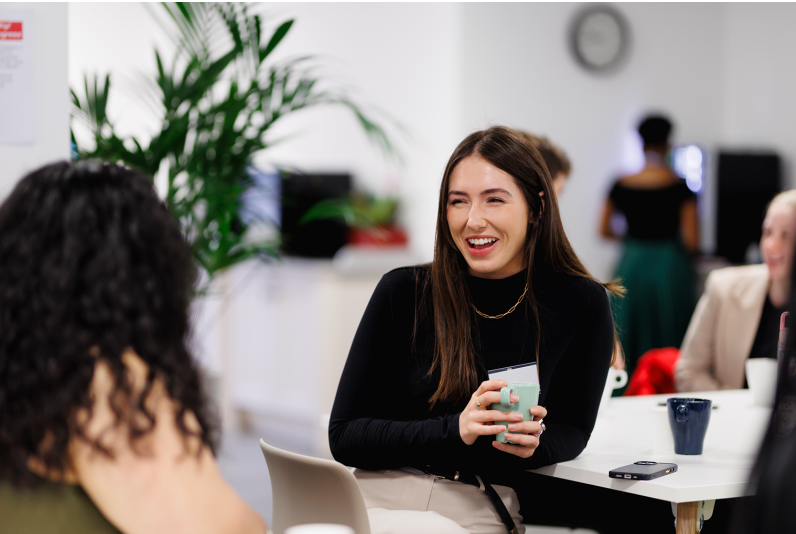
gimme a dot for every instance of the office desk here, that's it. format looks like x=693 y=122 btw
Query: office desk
x=624 y=434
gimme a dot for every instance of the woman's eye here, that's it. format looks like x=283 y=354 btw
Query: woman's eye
x=495 y=199
x=455 y=201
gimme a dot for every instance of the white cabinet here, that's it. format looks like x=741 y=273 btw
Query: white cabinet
x=279 y=341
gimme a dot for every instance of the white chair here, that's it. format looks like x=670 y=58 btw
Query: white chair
x=313 y=490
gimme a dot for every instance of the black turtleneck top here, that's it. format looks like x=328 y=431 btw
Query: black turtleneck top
x=382 y=417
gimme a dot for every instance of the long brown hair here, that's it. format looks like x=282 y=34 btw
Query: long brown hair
x=545 y=244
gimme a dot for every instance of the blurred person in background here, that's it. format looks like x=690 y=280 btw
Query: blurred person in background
x=504 y=288
x=555 y=159
x=770 y=510
x=655 y=266
x=103 y=425
x=738 y=315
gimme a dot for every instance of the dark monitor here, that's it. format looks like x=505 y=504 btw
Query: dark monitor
x=746 y=184
x=319 y=238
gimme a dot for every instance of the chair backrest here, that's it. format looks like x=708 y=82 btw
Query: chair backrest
x=313 y=490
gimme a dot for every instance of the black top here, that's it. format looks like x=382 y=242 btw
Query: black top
x=382 y=419
x=651 y=213
x=767 y=337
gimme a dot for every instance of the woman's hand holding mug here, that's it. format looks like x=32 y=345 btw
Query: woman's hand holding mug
x=524 y=436
x=477 y=420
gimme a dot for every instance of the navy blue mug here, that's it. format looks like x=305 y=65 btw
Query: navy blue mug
x=689 y=420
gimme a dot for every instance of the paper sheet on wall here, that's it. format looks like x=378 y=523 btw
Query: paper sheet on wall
x=17 y=103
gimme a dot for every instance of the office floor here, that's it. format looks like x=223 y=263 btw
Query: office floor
x=243 y=466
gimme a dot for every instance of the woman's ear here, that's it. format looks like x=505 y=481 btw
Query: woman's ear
x=531 y=215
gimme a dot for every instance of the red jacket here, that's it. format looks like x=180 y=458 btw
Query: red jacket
x=654 y=372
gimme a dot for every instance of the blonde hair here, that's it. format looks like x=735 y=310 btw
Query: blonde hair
x=788 y=198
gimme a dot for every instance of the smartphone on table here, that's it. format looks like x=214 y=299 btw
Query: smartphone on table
x=642 y=471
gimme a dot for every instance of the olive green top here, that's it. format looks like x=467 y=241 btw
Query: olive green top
x=50 y=508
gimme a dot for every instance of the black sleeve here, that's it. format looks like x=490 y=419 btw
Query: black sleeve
x=374 y=424
x=577 y=385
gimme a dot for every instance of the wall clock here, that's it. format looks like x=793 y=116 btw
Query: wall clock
x=599 y=38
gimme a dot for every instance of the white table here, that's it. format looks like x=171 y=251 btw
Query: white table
x=624 y=434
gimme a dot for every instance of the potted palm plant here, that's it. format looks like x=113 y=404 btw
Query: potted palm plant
x=216 y=100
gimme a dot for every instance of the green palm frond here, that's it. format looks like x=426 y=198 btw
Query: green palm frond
x=218 y=97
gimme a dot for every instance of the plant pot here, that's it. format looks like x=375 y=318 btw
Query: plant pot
x=377 y=236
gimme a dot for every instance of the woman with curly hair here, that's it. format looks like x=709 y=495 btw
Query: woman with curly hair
x=102 y=422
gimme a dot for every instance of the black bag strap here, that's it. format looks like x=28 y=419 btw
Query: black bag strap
x=494 y=498
x=500 y=508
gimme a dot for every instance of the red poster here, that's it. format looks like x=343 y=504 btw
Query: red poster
x=10 y=31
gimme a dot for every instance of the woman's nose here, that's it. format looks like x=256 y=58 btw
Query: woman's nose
x=476 y=220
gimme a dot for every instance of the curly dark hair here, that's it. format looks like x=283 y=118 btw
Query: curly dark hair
x=91 y=263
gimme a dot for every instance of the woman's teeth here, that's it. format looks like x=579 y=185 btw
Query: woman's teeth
x=485 y=241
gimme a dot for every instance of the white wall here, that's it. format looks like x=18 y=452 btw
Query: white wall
x=759 y=95
x=117 y=38
x=51 y=96
x=520 y=72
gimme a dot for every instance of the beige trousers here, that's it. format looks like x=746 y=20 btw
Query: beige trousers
x=408 y=501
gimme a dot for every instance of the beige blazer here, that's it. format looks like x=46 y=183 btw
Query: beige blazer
x=722 y=329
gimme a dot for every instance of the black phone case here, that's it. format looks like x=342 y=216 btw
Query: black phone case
x=642 y=472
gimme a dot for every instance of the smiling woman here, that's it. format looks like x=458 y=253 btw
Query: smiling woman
x=738 y=316
x=505 y=288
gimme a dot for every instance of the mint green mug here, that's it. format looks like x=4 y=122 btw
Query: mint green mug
x=528 y=397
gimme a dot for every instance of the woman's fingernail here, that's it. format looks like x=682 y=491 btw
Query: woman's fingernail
x=512 y=428
x=514 y=398
x=516 y=416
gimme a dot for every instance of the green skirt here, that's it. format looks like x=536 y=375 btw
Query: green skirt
x=660 y=297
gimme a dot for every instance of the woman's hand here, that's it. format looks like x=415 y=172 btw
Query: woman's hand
x=525 y=443
x=476 y=419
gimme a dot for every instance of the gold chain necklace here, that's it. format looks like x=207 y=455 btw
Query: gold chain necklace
x=502 y=315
